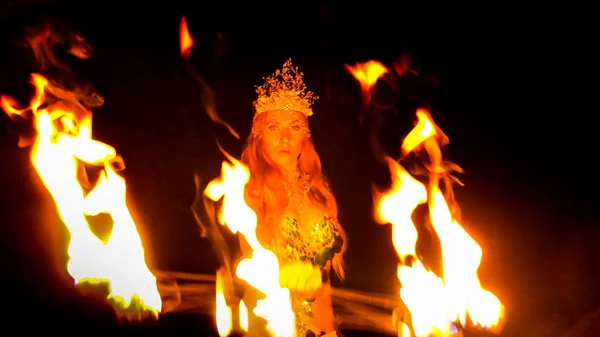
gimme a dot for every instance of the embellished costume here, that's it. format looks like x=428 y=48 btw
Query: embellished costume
x=318 y=246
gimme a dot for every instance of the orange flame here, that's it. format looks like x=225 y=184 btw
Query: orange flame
x=367 y=74
x=435 y=302
x=186 y=42
x=63 y=143
x=261 y=270
x=207 y=95
x=222 y=310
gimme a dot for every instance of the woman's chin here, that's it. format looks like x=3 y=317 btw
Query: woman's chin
x=286 y=164
x=284 y=156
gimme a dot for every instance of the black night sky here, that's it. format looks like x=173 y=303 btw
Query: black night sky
x=509 y=88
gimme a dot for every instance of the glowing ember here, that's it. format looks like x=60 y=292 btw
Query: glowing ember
x=63 y=144
x=261 y=270
x=435 y=304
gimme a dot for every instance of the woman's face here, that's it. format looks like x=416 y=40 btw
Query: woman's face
x=283 y=137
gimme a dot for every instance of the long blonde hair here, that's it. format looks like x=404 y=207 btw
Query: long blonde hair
x=264 y=176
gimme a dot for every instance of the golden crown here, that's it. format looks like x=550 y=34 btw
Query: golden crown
x=284 y=90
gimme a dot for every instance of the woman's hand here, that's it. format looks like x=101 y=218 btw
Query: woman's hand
x=300 y=277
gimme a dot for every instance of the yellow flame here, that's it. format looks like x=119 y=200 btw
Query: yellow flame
x=367 y=73
x=63 y=143
x=434 y=303
x=223 y=312
x=261 y=270
x=243 y=312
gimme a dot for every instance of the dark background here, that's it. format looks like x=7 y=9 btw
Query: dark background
x=509 y=87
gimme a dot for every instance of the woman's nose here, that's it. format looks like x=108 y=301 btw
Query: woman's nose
x=285 y=136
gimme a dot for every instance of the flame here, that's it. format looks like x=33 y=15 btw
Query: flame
x=402 y=65
x=243 y=313
x=207 y=95
x=434 y=303
x=223 y=312
x=261 y=270
x=224 y=315
x=367 y=74
x=63 y=143
x=186 y=42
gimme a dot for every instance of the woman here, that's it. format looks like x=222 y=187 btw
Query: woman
x=297 y=213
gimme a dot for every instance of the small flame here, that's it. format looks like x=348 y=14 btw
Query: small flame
x=243 y=311
x=367 y=74
x=207 y=95
x=223 y=312
x=64 y=141
x=402 y=65
x=261 y=270
x=186 y=42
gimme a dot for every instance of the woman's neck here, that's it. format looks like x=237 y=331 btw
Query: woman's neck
x=291 y=177
x=296 y=190
x=289 y=170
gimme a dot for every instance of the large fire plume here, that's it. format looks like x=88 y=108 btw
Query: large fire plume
x=261 y=269
x=66 y=157
x=437 y=305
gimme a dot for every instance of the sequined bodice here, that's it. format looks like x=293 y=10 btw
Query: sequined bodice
x=317 y=245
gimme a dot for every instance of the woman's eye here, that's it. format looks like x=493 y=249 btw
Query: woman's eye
x=272 y=127
x=295 y=128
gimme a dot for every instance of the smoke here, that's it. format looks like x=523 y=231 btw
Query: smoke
x=50 y=42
